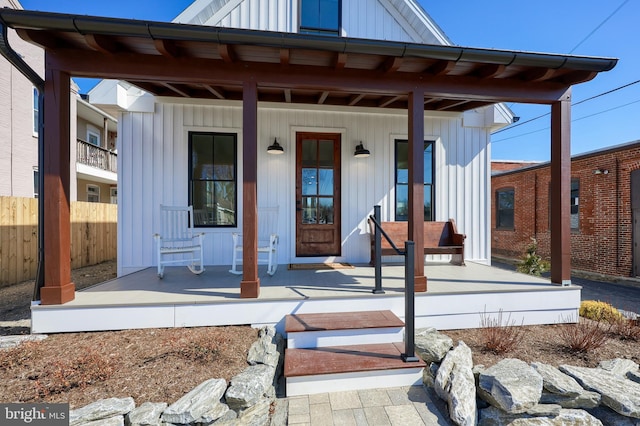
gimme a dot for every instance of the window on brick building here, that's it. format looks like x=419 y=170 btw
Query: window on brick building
x=505 y=200
x=575 y=204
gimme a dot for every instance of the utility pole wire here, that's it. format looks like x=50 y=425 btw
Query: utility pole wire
x=598 y=27
x=577 y=103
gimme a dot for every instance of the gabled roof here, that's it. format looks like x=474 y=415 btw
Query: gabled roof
x=169 y=59
x=408 y=13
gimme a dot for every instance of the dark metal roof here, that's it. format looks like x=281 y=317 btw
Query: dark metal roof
x=379 y=73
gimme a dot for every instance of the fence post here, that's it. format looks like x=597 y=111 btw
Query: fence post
x=409 y=304
x=377 y=253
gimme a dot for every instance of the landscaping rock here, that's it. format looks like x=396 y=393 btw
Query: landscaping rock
x=7 y=342
x=511 y=385
x=634 y=376
x=111 y=421
x=148 y=414
x=196 y=403
x=257 y=415
x=555 y=381
x=432 y=346
x=101 y=409
x=583 y=401
x=619 y=394
x=248 y=387
x=267 y=349
x=608 y=417
x=619 y=366
x=217 y=411
x=493 y=416
x=454 y=383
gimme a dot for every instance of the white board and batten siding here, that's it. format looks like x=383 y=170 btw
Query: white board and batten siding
x=153 y=160
x=395 y=20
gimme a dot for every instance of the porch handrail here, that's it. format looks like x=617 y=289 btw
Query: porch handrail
x=409 y=283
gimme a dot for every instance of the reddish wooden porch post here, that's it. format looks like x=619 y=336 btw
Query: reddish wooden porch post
x=416 y=185
x=561 y=191
x=250 y=284
x=58 y=287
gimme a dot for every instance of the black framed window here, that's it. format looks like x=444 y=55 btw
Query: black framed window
x=320 y=16
x=575 y=204
x=505 y=202
x=213 y=159
x=402 y=180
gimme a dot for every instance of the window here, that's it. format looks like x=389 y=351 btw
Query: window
x=113 y=192
x=93 y=135
x=402 y=181
x=213 y=178
x=505 y=200
x=93 y=193
x=575 y=204
x=320 y=16
x=36 y=183
x=36 y=111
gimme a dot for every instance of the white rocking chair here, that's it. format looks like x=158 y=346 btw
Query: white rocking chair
x=267 y=242
x=177 y=237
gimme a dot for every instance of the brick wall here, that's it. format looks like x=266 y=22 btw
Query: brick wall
x=603 y=243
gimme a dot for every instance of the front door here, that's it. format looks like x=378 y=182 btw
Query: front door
x=318 y=194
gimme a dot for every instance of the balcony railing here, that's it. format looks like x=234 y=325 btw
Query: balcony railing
x=96 y=156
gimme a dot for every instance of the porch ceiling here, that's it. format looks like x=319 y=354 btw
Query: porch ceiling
x=191 y=61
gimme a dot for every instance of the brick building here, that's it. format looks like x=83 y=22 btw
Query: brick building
x=605 y=202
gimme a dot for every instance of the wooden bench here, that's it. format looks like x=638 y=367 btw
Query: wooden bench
x=439 y=238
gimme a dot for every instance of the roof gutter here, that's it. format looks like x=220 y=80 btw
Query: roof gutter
x=83 y=24
x=16 y=60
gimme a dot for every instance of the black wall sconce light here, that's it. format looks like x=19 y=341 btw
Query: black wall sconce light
x=275 y=148
x=361 y=152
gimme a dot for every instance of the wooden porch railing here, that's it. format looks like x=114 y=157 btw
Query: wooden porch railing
x=95 y=156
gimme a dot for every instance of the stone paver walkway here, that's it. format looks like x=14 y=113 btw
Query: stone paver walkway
x=405 y=406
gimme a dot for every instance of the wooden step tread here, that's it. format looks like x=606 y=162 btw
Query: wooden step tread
x=341 y=321
x=346 y=359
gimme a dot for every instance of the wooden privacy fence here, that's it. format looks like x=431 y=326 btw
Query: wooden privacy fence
x=93 y=236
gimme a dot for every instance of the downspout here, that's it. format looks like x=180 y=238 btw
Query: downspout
x=16 y=60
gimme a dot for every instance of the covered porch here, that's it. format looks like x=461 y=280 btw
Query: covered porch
x=457 y=297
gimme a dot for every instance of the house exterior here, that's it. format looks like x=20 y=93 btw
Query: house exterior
x=93 y=133
x=454 y=138
x=218 y=97
x=605 y=198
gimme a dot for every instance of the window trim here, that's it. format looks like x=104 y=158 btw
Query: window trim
x=577 y=204
x=236 y=137
x=36 y=183
x=97 y=192
x=394 y=168
x=312 y=30
x=35 y=108
x=513 y=210
x=93 y=131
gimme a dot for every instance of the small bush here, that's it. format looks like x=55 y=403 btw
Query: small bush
x=500 y=338
x=532 y=263
x=627 y=329
x=584 y=336
x=599 y=311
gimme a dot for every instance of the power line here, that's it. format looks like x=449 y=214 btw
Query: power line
x=577 y=103
x=598 y=27
x=574 y=120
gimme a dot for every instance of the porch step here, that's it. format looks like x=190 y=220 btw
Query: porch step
x=342 y=328
x=352 y=367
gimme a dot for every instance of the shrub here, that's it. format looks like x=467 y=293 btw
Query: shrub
x=583 y=336
x=599 y=311
x=532 y=263
x=627 y=328
x=497 y=337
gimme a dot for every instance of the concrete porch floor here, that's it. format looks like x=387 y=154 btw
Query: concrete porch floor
x=456 y=297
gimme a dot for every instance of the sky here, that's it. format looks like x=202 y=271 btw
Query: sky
x=578 y=27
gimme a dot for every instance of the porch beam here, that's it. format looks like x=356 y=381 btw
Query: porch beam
x=416 y=185
x=58 y=288
x=216 y=72
x=561 y=191
x=250 y=284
